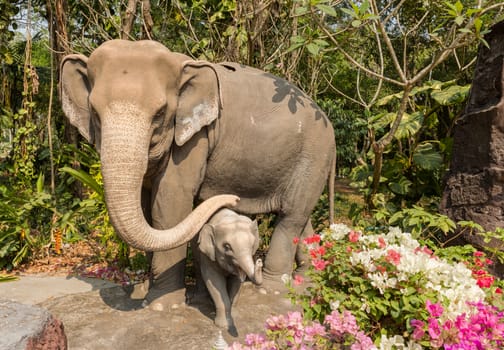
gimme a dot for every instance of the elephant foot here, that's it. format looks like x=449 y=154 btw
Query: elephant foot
x=161 y=301
x=226 y=323
x=139 y=290
x=198 y=296
x=272 y=285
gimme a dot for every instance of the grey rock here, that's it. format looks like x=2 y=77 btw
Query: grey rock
x=28 y=327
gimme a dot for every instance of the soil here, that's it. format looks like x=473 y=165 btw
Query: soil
x=83 y=259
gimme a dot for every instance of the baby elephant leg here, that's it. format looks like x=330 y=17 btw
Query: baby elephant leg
x=217 y=287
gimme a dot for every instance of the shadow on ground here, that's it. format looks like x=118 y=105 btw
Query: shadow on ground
x=109 y=319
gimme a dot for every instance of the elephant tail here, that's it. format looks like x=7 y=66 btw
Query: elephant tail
x=330 y=185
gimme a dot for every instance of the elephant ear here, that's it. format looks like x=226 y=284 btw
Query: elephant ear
x=199 y=100
x=206 y=241
x=75 y=89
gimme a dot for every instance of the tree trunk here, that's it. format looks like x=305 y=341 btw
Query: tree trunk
x=475 y=183
x=129 y=19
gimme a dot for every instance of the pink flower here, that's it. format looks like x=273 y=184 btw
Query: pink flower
x=312 y=239
x=381 y=242
x=316 y=252
x=319 y=264
x=418 y=331
x=434 y=330
x=393 y=257
x=328 y=245
x=478 y=254
x=254 y=339
x=316 y=329
x=353 y=236
x=298 y=280
x=295 y=240
x=435 y=310
x=485 y=281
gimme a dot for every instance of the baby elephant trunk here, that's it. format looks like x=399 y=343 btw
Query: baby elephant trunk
x=258 y=277
x=250 y=270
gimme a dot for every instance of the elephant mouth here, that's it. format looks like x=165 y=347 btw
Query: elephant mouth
x=241 y=274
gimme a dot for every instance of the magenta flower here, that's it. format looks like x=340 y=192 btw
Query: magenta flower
x=435 y=310
x=434 y=329
x=418 y=331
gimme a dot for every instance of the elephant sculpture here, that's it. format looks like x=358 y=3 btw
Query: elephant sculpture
x=224 y=251
x=173 y=132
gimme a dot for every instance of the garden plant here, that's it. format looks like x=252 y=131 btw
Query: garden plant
x=385 y=290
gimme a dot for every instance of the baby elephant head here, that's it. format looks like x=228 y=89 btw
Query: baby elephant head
x=231 y=240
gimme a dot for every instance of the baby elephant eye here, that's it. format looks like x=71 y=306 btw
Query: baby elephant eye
x=227 y=247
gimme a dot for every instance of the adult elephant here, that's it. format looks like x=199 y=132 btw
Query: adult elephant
x=172 y=131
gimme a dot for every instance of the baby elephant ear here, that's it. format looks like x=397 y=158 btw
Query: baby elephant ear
x=206 y=242
x=199 y=100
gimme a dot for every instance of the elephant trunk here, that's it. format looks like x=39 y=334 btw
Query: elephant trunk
x=251 y=270
x=124 y=156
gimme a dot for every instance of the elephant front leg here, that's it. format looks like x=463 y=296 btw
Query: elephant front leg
x=172 y=200
x=167 y=283
x=217 y=287
x=234 y=286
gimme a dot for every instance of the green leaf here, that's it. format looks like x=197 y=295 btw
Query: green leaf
x=427 y=157
x=40 y=183
x=385 y=100
x=454 y=94
x=294 y=47
x=328 y=10
x=85 y=178
x=356 y=23
x=313 y=49
x=350 y=12
x=402 y=187
x=409 y=126
x=459 y=20
x=381 y=120
x=321 y=42
x=299 y=11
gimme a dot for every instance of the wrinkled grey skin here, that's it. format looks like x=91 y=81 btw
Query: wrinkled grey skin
x=172 y=132
x=224 y=251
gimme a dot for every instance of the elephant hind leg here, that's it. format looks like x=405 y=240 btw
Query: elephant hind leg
x=302 y=256
x=282 y=251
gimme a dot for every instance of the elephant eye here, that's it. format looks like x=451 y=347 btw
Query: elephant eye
x=227 y=247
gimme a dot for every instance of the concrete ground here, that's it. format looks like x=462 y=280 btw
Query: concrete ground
x=98 y=314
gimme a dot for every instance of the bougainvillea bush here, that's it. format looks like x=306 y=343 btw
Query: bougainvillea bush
x=389 y=288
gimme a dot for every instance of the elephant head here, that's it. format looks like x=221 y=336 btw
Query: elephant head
x=231 y=240
x=132 y=100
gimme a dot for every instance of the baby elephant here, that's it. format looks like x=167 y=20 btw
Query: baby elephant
x=225 y=249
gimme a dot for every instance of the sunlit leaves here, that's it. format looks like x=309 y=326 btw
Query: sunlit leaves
x=452 y=95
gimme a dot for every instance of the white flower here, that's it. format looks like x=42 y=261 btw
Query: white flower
x=453 y=282
x=397 y=343
x=382 y=281
x=339 y=231
x=334 y=305
x=285 y=278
